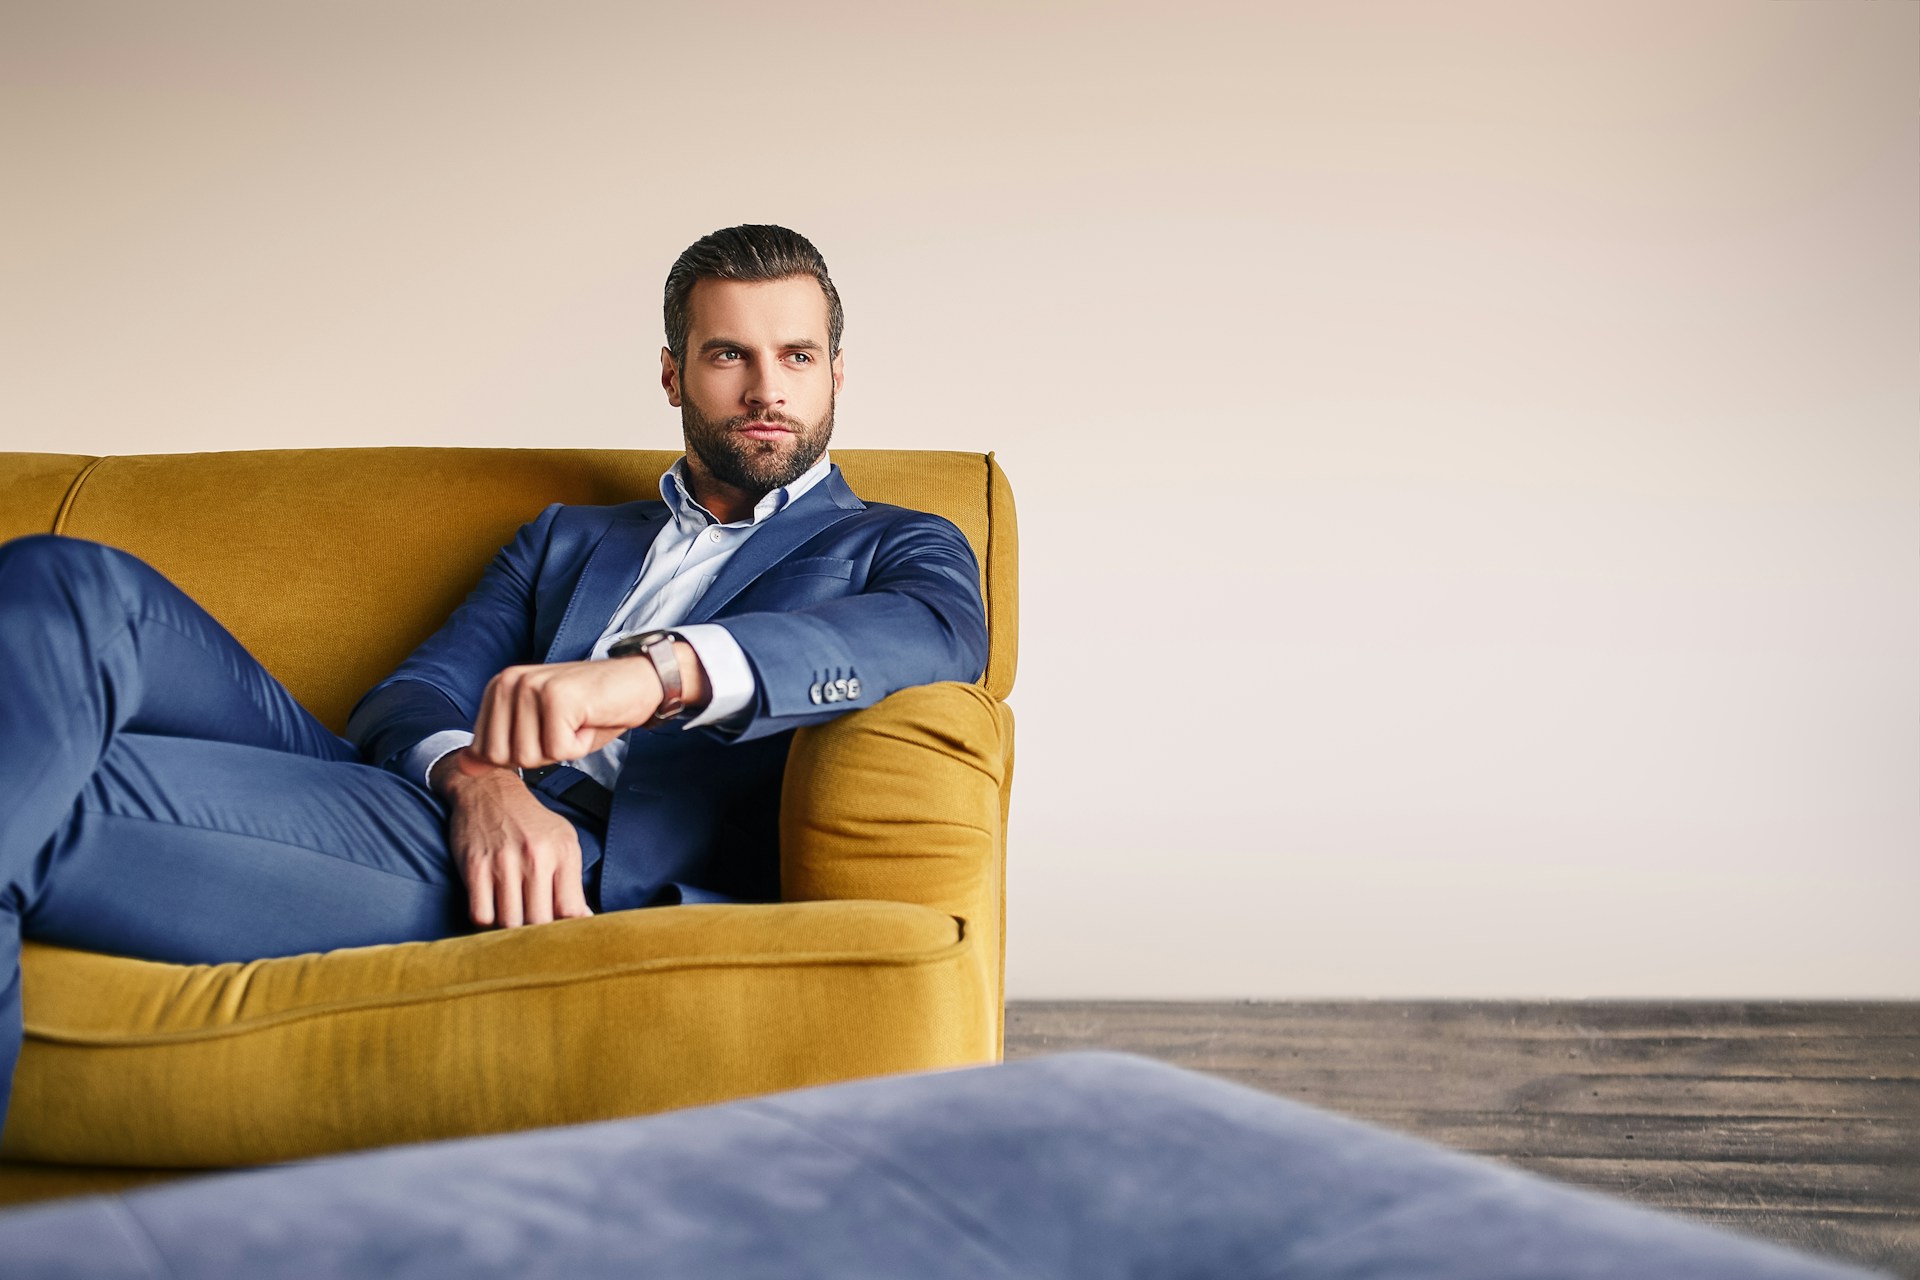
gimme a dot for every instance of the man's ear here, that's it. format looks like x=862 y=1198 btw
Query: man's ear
x=670 y=377
x=839 y=370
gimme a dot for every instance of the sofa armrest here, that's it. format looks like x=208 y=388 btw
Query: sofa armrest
x=906 y=801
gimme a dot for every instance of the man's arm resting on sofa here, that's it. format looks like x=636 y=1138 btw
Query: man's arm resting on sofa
x=918 y=620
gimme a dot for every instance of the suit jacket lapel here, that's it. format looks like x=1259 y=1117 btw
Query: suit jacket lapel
x=612 y=569
x=818 y=509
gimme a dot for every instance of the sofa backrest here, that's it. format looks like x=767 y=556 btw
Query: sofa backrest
x=330 y=565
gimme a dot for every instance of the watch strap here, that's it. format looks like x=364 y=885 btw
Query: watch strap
x=657 y=646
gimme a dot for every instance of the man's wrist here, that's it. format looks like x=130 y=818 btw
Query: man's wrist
x=695 y=689
x=731 y=686
x=454 y=771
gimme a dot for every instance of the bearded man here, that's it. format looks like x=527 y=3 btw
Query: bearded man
x=601 y=725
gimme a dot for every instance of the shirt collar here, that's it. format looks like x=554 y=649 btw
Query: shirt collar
x=689 y=514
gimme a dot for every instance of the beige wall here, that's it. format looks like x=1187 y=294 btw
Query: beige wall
x=1466 y=451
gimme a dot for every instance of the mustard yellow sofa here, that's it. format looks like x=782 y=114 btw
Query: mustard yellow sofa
x=886 y=953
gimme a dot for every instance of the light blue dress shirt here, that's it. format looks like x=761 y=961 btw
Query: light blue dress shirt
x=686 y=556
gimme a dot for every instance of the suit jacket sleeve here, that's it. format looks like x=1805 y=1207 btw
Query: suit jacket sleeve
x=917 y=619
x=440 y=684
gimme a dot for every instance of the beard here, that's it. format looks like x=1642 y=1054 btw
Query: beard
x=756 y=466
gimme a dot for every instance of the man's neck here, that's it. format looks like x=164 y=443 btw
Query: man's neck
x=728 y=503
x=723 y=501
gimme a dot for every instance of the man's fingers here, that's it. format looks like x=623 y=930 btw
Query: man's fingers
x=506 y=731
x=480 y=900
x=534 y=715
x=490 y=726
x=507 y=894
x=527 y=715
x=520 y=860
x=566 y=702
x=539 y=891
x=480 y=747
x=559 y=739
x=569 y=898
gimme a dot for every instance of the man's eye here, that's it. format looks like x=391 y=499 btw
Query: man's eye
x=803 y=357
x=724 y=355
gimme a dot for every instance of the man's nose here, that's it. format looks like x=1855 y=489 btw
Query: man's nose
x=764 y=388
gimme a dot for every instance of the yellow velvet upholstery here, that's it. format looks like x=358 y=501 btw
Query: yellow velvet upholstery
x=887 y=954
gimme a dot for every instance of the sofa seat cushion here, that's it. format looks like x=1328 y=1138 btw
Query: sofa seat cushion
x=131 y=1063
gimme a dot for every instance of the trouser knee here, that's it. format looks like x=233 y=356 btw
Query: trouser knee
x=49 y=554
x=30 y=566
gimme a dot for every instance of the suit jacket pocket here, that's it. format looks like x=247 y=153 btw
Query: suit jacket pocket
x=796 y=584
x=807 y=567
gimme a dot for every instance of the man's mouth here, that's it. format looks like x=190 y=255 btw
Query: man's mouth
x=764 y=431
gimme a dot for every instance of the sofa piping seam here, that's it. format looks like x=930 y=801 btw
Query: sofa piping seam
x=72 y=495
x=893 y=960
x=852 y=824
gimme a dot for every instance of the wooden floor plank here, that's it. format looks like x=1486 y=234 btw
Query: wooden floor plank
x=1732 y=1186
x=1685 y=1137
x=1887 y=1243
x=1471 y=1085
x=1602 y=1017
x=1797 y=1121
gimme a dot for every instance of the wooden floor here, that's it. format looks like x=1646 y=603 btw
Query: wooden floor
x=1798 y=1122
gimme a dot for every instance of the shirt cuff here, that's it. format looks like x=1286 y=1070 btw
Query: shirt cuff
x=417 y=764
x=729 y=676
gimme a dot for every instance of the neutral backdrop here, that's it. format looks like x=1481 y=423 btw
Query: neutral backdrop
x=1468 y=454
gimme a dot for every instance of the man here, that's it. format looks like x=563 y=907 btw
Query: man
x=601 y=725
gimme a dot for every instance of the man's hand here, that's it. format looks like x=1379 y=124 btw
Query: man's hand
x=552 y=711
x=521 y=860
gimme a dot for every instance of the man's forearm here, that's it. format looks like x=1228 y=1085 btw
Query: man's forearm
x=540 y=713
x=456 y=766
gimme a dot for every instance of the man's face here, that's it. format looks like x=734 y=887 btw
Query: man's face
x=757 y=391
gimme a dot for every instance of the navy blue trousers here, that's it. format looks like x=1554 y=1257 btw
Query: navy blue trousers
x=163 y=796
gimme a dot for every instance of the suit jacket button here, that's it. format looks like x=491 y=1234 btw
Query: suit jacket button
x=814 y=693
x=853 y=686
x=832 y=694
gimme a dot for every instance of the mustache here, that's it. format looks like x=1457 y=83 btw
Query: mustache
x=777 y=419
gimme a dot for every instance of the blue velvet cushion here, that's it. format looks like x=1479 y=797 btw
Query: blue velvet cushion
x=1081 y=1165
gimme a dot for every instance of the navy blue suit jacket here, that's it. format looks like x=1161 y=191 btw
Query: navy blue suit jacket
x=829 y=588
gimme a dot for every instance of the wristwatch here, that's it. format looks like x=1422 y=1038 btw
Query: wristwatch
x=657 y=646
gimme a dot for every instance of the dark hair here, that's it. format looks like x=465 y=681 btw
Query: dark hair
x=749 y=252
